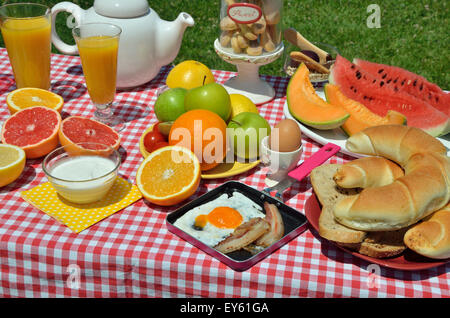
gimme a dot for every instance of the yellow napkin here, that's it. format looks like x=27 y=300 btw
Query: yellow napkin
x=79 y=217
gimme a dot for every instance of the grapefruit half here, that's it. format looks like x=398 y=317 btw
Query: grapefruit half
x=78 y=129
x=34 y=129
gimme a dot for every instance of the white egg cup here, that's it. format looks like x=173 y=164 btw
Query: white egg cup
x=279 y=163
x=248 y=82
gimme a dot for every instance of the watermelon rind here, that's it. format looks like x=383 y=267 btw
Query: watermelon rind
x=436 y=130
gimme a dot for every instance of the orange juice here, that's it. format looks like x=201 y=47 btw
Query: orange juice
x=99 y=60
x=28 y=42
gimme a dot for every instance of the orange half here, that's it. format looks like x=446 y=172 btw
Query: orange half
x=29 y=96
x=168 y=175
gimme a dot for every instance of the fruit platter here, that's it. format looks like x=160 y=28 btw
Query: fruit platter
x=185 y=186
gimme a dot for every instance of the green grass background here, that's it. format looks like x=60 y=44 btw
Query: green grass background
x=414 y=34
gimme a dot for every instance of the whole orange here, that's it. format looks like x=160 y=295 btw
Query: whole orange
x=189 y=74
x=204 y=133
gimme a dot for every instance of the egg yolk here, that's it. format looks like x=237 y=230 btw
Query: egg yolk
x=221 y=217
x=201 y=220
x=225 y=218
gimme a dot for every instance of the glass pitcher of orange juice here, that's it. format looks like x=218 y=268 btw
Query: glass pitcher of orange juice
x=26 y=31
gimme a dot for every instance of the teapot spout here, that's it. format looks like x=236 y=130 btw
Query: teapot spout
x=170 y=36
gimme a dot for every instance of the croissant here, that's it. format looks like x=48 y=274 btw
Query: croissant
x=431 y=238
x=367 y=172
x=395 y=142
x=423 y=189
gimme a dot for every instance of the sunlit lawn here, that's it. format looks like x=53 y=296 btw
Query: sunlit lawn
x=413 y=34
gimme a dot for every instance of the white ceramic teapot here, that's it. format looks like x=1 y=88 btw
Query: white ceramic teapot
x=146 y=44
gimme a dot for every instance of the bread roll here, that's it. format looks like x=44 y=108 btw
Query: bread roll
x=374 y=244
x=424 y=189
x=367 y=172
x=395 y=142
x=431 y=238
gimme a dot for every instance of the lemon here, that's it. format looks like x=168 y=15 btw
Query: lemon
x=189 y=74
x=240 y=104
x=12 y=162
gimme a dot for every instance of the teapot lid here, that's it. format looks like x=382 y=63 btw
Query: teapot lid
x=121 y=8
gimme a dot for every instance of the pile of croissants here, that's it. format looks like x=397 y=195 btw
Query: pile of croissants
x=418 y=197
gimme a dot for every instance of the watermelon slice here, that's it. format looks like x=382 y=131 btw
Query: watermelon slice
x=361 y=86
x=400 y=79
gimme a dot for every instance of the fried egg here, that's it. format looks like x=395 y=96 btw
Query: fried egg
x=213 y=221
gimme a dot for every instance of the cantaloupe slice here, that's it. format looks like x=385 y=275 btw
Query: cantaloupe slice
x=307 y=107
x=360 y=116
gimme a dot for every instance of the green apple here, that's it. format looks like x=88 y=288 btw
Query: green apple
x=246 y=131
x=170 y=104
x=213 y=97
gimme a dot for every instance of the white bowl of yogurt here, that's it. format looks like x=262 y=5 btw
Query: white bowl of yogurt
x=85 y=176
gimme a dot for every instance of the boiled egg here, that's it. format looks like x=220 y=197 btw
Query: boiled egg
x=285 y=136
x=213 y=221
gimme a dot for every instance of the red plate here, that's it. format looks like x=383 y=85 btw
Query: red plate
x=408 y=260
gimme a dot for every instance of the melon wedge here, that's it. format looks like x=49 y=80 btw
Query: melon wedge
x=307 y=107
x=360 y=116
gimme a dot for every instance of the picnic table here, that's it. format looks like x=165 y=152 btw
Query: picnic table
x=132 y=254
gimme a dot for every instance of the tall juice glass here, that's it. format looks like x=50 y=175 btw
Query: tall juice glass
x=98 y=45
x=26 y=31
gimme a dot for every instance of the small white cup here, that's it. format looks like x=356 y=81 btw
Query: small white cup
x=279 y=163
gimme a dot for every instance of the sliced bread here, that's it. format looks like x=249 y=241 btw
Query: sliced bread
x=380 y=244
x=328 y=193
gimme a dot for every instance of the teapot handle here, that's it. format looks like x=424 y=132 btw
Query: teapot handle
x=76 y=12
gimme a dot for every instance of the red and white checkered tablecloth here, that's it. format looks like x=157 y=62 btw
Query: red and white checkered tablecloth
x=132 y=253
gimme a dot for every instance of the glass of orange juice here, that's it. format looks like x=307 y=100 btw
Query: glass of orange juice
x=98 y=46
x=26 y=31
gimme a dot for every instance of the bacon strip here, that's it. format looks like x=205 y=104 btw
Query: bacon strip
x=273 y=217
x=243 y=235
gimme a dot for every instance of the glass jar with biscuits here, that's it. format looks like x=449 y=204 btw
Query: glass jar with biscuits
x=251 y=27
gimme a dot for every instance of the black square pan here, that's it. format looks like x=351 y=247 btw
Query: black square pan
x=294 y=224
